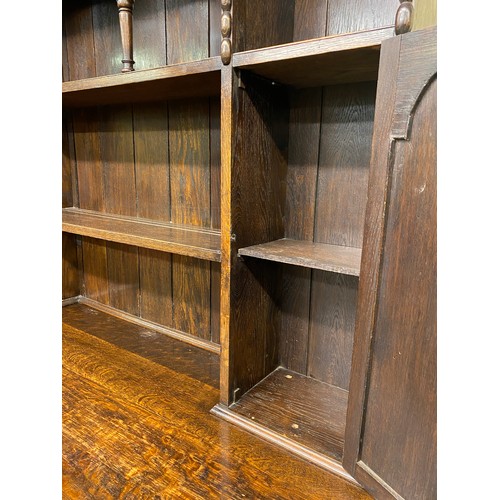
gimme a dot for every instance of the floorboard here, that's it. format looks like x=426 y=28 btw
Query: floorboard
x=136 y=424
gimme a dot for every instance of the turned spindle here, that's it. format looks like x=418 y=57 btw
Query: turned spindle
x=226 y=25
x=404 y=17
x=125 y=8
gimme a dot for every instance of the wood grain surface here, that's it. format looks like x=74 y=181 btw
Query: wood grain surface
x=300 y=408
x=175 y=238
x=335 y=258
x=138 y=426
x=336 y=59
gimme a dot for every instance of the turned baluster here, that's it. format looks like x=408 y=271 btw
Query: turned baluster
x=125 y=8
x=226 y=21
x=404 y=17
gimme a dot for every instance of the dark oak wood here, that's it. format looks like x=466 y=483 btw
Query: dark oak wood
x=190 y=79
x=324 y=61
x=70 y=268
x=393 y=395
x=335 y=258
x=299 y=408
x=125 y=15
x=107 y=38
x=155 y=436
x=183 y=240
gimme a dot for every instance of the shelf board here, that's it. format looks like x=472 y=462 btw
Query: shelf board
x=191 y=79
x=182 y=240
x=335 y=258
x=298 y=408
x=348 y=58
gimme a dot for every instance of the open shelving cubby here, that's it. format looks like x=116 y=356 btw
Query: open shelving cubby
x=141 y=167
x=305 y=99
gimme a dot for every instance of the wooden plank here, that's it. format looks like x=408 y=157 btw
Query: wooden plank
x=299 y=408
x=192 y=79
x=266 y=23
x=151 y=161
x=215 y=302
x=95 y=270
x=156 y=286
x=345 y=147
x=309 y=19
x=335 y=258
x=332 y=318
x=301 y=180
x=336 y=59
x=191 y=295
x=123 y=277
x=347 y=16
x=190 y=241
x=86 y=124
x=215 y=13
x=187 y=31
x=106 y=31
x=67 y=167
x=79 y=39
x=70 y=271
x=215 y=162
x=150 y=45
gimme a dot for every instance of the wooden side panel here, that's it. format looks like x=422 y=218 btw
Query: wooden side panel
x=215 y=162
x=346 y=16
x=402 y=378
x=391 y=424
x=79 y=39
x=108 y=47
x=67 y=181
x=257 y=207
x=187 y=30
x=150 y=44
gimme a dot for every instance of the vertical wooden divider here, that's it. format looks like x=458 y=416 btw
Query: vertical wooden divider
x=226 y=128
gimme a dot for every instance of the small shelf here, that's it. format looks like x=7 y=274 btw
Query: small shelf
x=353 y=57
x=298 y=408
x=335 y=258
x=182 y=240
x=191 y=79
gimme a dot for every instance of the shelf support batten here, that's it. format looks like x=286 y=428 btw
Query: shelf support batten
x=125 y=8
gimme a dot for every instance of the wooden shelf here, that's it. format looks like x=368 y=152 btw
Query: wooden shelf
x=182 y=240
x=300 y=409
x=192 y=79
x=335 y=258
x=353 y=57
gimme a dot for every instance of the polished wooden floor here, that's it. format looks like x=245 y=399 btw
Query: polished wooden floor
x=136 y=424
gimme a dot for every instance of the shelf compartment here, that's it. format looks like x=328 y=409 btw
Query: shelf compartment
x=182 y=240
x=192 y=79
x=298 y=409
x=353 y=57
x=335 y=258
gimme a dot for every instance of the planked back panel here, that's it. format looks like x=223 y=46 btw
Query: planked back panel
x=159 y=161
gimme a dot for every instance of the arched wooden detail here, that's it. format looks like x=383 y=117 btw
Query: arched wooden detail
x=125 y=8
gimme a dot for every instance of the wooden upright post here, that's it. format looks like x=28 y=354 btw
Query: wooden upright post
x=125 y=8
